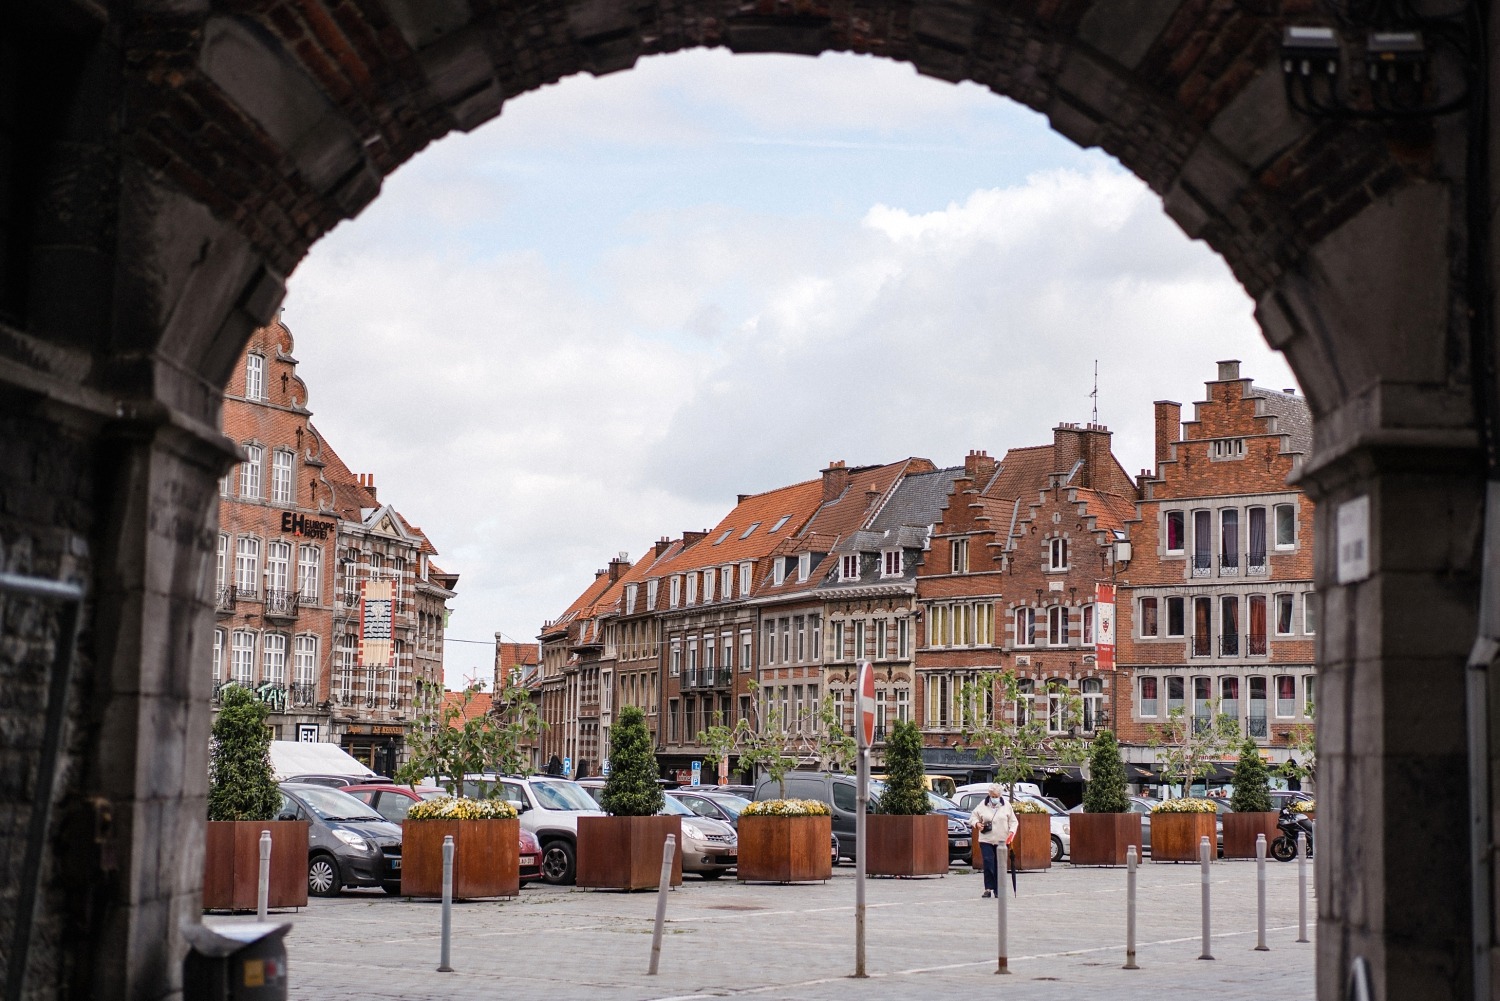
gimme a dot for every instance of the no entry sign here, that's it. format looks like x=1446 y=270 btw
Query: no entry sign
x=866 y=703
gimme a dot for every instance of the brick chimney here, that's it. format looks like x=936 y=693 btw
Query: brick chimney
x=978 y=467
x=1096 y=457
x=1067 y=449
x=367 y=480
x=688 y=538
x=1168 y=429
x=662 y=545
x=835 y=480
x=872 y=497
x=618 y=566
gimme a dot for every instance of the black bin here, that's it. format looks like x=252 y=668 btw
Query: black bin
x=237 y=962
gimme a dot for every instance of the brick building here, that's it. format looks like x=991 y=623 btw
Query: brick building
x=305 y=555
x=1216 y=606
x=518 y=666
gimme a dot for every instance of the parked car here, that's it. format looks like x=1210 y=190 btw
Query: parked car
x=839 y=792
x=983 y=789
x=724 y=806
x=710 y=846
x=1142 y=805
x=338 y=781
x=549 y=808
x=943 y=785
x=393 y=801
x=747 y=792
x=1282 y=797
x=348 y=843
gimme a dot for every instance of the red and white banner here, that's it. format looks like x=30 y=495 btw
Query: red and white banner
x=1104 y=616
x=377 y=605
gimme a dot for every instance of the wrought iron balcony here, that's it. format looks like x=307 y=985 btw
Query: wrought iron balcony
x=1202 y=646
x=282 y=604
x=708 y=677
x=1256 y=726
x=224 y=600
x=1256 y=565
x=304 y=694
x=1229 y=565
x=1255 y=645
x=1203 y=565
x=1229 y=645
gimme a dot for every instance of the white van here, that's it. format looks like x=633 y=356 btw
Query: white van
x=1022 y=788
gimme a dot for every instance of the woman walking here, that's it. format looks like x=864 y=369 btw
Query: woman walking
x=994 y=823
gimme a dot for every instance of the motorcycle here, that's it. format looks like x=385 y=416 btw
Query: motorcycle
x=1291 y=824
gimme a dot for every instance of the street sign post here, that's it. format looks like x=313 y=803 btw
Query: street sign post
x=568 y=766
x=697 y=773
x=865 y=733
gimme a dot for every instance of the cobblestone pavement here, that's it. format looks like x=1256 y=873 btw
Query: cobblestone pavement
x=726 y=939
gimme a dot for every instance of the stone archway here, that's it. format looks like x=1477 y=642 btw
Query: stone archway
x=186 y=153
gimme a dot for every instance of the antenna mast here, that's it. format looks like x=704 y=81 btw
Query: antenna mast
x=1095 y=393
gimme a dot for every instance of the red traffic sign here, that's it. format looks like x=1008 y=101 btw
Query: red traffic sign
x=866 y=703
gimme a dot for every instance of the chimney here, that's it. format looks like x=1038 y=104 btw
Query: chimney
x=688 y=538
x=367 y=480
x=740 y=499
x=1229 y=371
x=1094 y=441
x=1168 y=429
x=618 y=565
x=978 y=467
x=662 y=545
x=1067 y=448
x=599 y=573
x=835 y=480
x=872 y=495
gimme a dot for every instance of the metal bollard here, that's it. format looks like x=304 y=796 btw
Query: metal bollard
x=263 y=878
x=1260 y=894
x=443 y=964
x=1301 y=888
x=1002 y=853
x=668 y=855
x=1204 y=852
x=1130 y=862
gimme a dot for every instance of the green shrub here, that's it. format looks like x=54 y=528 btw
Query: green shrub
x=1105 y=792
x=631 y=789
x=904 y=794
x=1252 y=791
x=241 y=784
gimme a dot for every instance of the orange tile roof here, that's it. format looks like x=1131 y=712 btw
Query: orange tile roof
x=746 y=530
x=1110 y=511
x=476 y=707
x=518 y=654
x=1021 y=473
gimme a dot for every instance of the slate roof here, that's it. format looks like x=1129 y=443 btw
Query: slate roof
x=1293 y=416
x=918 y=500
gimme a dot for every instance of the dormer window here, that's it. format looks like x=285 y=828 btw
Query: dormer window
x=778 y=572
x=675 y=598
x=747 y=573
x=692 y=588
x=804 y=567
x=849 y=566
x=890 y=564
x=726 y=583
x=708 y=586
x=651 y=588
x=630 y=594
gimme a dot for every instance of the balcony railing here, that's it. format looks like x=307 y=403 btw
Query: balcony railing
x=304 y=694
x=224 y=599
x=1255 y=645
x=1202 y=646
x=1203 y=565
x=282 y=604
x=1229 y=565
x=708 y=677
x=1229 y=645
x=1256 y=565
x=1256 y=726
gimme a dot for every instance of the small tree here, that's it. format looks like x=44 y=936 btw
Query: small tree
x=1105 y=792
x=1304 y=760
x=450 y=742
x=242 y=786
x=904 y=793
x=631 y=789
x=1252 y=793
x=835 y=748
x=768 y=746
x=1189 y=746
x=999 y=720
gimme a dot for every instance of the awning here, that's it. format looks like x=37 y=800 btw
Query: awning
x=295 y=757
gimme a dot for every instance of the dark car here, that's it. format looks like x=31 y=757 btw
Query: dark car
x=348 y=843
x=393 y=801
x=710 y=802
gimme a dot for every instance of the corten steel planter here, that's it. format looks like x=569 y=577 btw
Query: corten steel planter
x=785 y=849
x=1032 y=846
x=1101 y=838
x=624 y=853
x=906 y=846
x=1175 y=836
x=486 y=857
x=1240 y=830
x=231 y=864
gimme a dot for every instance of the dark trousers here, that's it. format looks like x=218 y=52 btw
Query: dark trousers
x=991 y=873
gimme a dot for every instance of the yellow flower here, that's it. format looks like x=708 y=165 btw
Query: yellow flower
x=1027 y=806
x=1188 y=805
x=786 y=808
x=461 y=808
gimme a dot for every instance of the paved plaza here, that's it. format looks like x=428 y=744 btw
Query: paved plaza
x=726 y=939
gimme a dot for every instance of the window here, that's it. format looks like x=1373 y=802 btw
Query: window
x=1229 y=540
x=849 y=566
x=218 y=655
x=1057 y=625
x=1174 y=694
x=726 y=650
x=708 y=659
x=1026 y=627
x=881 y=630
x=726 y=583
x=859 y=639
x=674 y=662
x=903 y=639
x=631 y=590
x=1024 y=704
x=1175 y=533
x=1203 y=702
x=903 y=704
x=221 y=565
x=1286 y=696
x=778 y=571
x=1057 y=554
x=1203 y=611
x=753 y=526
x=939 y=693
x=768 y=641
x=708 y=586
x=1255 y=635
x=255 y=377
x=1202 y=543
x=1229 y=626
x=785 y=625
x=747 y=569
x=1088 y=625
x=1286 y=526
x=1255 y=720
x=890 y=565
x=692 y=660
x=1255 y=562
x=1309 y=613
x=804 y=567
x=723 y=535
x=1093 y=703
x=675 y=598
x=273 y=646
x=278 y=566
x=247 y=565
x=1229 y=697
x=1149 y=625
x=281 y=476
x=779 y=522
x=1057 y=705
x=1228 y=448
x=309 y=572
x=1309 y=690
x=305 y=667
x=1284 y=615
x=672 y=710
x=939 y=626
x=815 y=622
x=692 y=588
x=242 y=658
x=959 y=552
x=1148 y=696
x=1175 y=624
x=651 y=589
x=250 y=473
x=837 y=636
x=800 y=624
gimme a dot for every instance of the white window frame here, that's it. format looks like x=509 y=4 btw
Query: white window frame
x=1057 y=554
x=890 y=563
x=1166 y=534
x=675 y=597
x=1310 y=613
x=958 y=555
x=726 y=582
x=255 y=376
x=1291 y=616
x=281 y=476
x=903 y=638
x=278 y=566
x=250 y=487
x=651 y=589
x=309 y=573
x=273 y=659
x=305 y=662
x=849 y=566
x=247 y=565
x=1276 y=515
x=778 y=572
x=692 y=589
x=1059 y=625
x=1140 y=696
x=242 y=657
x=1024 y=619
x=218 y=661
x=804 y=567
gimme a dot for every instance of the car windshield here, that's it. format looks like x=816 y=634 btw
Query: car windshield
x=731 y=805
x=941 y=803
x=333 y=804
x=675 y=807
x=560 y=794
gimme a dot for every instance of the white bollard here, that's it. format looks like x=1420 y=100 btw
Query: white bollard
x=443 y=964
x=1301 y=887
x=1002 y=853
x=1260 y=894
x=1204 y=851
x=1130 y=862
x=668 y=856
x=263 y=879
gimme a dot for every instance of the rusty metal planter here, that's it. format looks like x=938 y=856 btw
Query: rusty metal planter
x=231 y=864
x=486 y=857
x=1101 y=838
x=1032 y=846
x=1175 y=836
x=624 y=853
x=1240 y=830
x=906 y=846
x=785 y=849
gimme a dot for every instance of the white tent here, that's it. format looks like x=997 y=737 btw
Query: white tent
x=294 y=757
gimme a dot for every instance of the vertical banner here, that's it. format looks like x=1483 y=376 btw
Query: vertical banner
x=376 y=635
x=1104 y=617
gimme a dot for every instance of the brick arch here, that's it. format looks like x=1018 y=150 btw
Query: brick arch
x=312 y=104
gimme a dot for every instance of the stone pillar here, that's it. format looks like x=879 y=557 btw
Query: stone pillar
x=1392 y=868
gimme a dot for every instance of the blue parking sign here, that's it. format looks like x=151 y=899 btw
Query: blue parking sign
x=697 y=773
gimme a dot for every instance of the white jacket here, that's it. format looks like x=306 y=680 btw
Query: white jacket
x=1001 y=818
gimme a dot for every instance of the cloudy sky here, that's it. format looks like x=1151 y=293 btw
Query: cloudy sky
x=596 y=319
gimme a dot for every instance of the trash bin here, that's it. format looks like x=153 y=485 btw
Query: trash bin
x=235 y=962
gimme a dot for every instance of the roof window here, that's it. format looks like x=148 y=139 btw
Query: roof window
x=724 y=536
x=779 y=522
x=753 y=526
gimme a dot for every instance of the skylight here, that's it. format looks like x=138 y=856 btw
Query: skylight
x=753 y=527
x=724 y=536
x=779 y=522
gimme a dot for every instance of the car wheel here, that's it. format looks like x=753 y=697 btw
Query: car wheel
x=1057 y=848
x=557 y=863
x=323 y=876
x=392 y=886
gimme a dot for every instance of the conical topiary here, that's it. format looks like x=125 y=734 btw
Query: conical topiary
x=1105 y=792
x=241 y=784
x=904 y=793
x=631 y=789
x=1252 y=793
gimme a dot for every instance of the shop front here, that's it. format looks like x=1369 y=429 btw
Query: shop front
x=377 y=746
